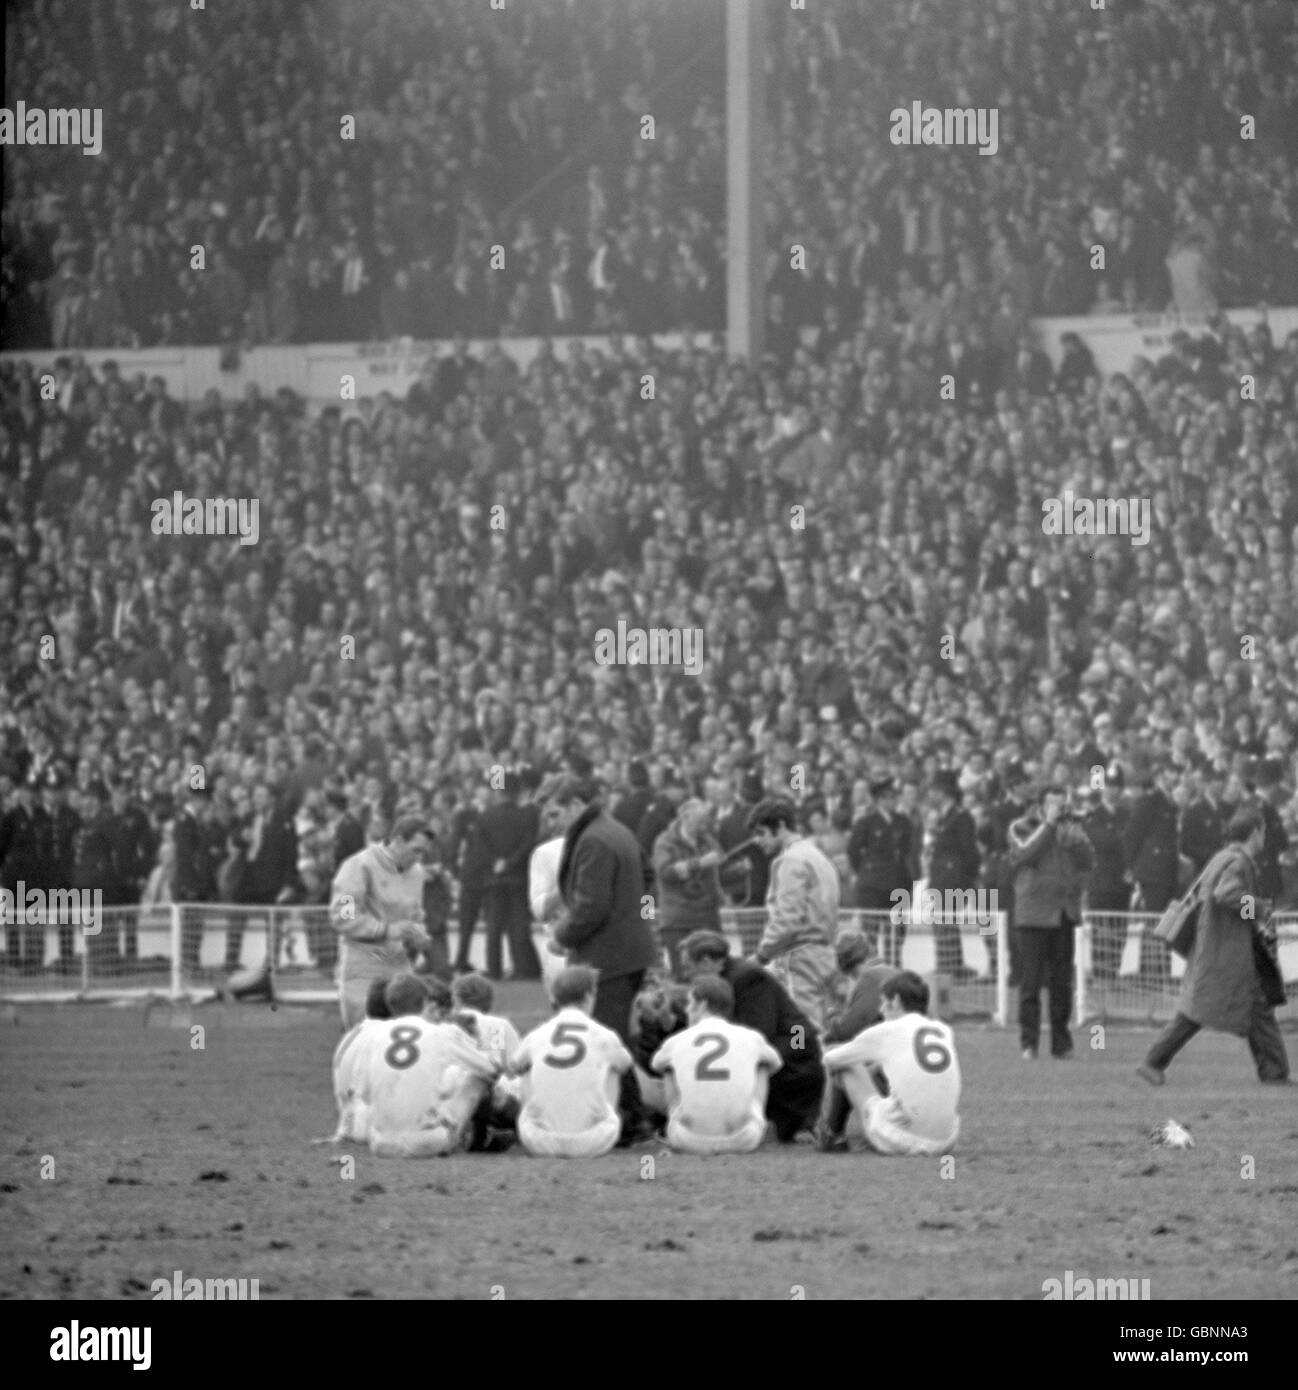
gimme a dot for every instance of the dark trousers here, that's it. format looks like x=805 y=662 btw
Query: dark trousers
x=794 y=1100
x=1045 y=960
x=1108 y=935
x=613 y=999
x=1265 y=1042
x=471 y=897
x=1155 y=962
x=509 y=918
x=435 y=958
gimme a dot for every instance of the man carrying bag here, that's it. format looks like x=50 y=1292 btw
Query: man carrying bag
x=1232 y=979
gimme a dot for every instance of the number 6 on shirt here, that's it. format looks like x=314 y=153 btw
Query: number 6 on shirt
x=929 y=1051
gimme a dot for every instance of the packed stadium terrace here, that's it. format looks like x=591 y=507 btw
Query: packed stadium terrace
x=522 y=129
x=474 y=628
x=474 y=538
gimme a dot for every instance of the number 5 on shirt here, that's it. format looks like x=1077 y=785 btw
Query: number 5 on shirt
x=566 y=1035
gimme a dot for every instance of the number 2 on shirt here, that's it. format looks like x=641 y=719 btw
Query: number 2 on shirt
x=704 y=1070
x=566 y=1035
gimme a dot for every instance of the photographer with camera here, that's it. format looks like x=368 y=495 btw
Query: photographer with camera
x=1050 y=856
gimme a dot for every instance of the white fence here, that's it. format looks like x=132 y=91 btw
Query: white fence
x=188 y=950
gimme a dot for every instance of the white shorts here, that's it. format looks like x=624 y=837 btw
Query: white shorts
x=548 y=1143
x=743 y=1141
x=886 y=1136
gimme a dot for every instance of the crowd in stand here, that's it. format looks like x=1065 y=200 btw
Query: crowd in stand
x=186 y=717
x=522 y=129
x=866 y=562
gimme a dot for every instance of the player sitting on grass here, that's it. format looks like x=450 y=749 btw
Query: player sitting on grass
x=571 y=1068
x=419 y=1079
x=717 y=1075
x=866 y=976
x=761 y=1002
x=495 y=1120
x=473 y=996
x=901 y=1076
x=347 y=1069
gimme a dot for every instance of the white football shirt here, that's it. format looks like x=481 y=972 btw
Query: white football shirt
x=497 y=1036
x=543 y=879
x=716 y=1064
x=568 y=1061
x=917 y=1055
x=351 y=1060
x=419 y=1073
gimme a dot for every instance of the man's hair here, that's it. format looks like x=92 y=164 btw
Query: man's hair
x=572 y=984
x=439 y=994
x=771 y=814
x=909 y=989
x=715 y=994
x=851 y=948
x=1243 y=823
x=376 y=1004
x=407 y=827
x=563 y=787
x=473 y=992
x=705 y=945
x=405 y=994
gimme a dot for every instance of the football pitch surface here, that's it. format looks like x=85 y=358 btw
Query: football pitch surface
x=166 y=1158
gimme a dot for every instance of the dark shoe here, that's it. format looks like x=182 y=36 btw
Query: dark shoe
x=637 y=1132
x=1065 y=1056
x=1151 y=1074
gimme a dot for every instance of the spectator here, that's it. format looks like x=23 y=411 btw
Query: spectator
x=1232 y=980
x=686 y=861
x=1050 y=856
